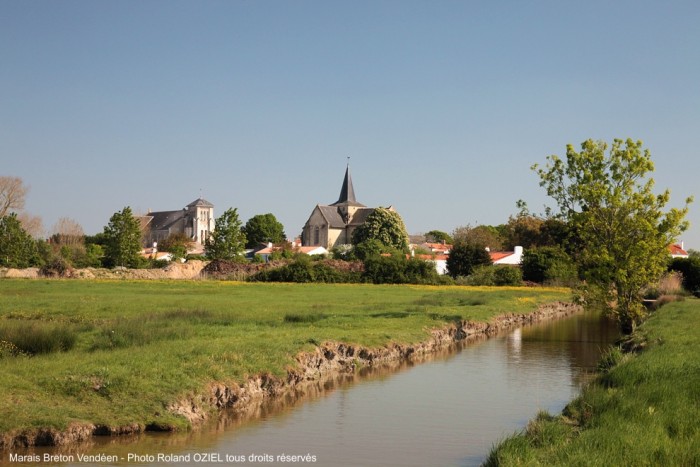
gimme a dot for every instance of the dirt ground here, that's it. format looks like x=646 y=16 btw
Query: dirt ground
x=189 y=270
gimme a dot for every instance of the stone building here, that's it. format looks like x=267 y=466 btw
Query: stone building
x=196 y=221
x=332 y=225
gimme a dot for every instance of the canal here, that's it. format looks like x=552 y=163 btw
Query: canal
x=447 y=411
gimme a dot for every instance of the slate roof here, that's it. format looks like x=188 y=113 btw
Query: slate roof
x=200 y=202
x=163 y=220
x=347 y=192
x=361 y=215
x=332 y=216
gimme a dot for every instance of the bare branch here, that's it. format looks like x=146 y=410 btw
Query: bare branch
x=12 y=194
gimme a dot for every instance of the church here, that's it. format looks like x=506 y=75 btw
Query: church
x=333 y=225
x=196 y=221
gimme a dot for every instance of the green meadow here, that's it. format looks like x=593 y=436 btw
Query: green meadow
x=643 y=409
x=118 y=352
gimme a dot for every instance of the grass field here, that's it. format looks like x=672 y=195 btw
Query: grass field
x=645 y=410
x=117 y=352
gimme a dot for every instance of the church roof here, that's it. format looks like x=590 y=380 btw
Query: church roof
x=347 y=192
x=332 y=216
x=335 y=220
x=163 y=220
x=200 y=202
x=360 y=215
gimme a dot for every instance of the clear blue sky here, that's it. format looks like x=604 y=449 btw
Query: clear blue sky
x=442 y=106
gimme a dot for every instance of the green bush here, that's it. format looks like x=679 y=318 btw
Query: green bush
x=481 y=275
x=305 y=269
x=490 y=275
x=396 y=269
x=548 y=265
x=325 y=273
x=507 y=275
x=690 y=268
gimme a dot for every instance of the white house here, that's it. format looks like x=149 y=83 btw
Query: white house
x=307 y=250
x=512 y=258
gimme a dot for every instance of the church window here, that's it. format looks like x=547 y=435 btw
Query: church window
x=317 y=236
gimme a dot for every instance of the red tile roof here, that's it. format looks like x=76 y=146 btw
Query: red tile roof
x=496 y=255
x=676 y=249
x=437 y=246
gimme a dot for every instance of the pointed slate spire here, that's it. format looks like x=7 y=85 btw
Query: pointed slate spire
x=347 y=192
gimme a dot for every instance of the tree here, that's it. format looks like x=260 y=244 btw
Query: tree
x=384 y=225
x=32 y=224
x=370 y=248
x=464 y=257
x=12 y=194
x=17 y=248
x=438 y=236
x=622 y=230
x=122 y=239
x=263 y=228
x=548 y=264
x=485 y=235
x=66 y=231
x=176 y=244
x=226 y=241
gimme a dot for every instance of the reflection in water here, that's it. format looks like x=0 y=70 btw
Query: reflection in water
x=448 y=411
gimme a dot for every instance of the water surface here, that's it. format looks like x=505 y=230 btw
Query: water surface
x=445 y=412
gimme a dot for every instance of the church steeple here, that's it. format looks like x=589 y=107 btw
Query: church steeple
x=347 y=192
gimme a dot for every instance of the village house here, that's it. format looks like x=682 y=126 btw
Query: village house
x=437 y=248
x=266 y=252
x=678 y=251
x=511 y=258
x=332 y=225
x=196 y=221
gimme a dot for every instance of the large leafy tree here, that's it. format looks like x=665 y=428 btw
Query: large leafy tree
x=122 y=237
x=17 y=248
x=465 y=257
x=485 y=235
x=263 y=228
x=227 y=241
x=438 y=236
x=622 y=230
x=384 y=225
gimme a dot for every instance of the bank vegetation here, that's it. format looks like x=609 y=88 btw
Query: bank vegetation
x=643 y=408
x=117 y=354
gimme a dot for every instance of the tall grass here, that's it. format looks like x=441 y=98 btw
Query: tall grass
x=643 y=410
x=38 y=337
